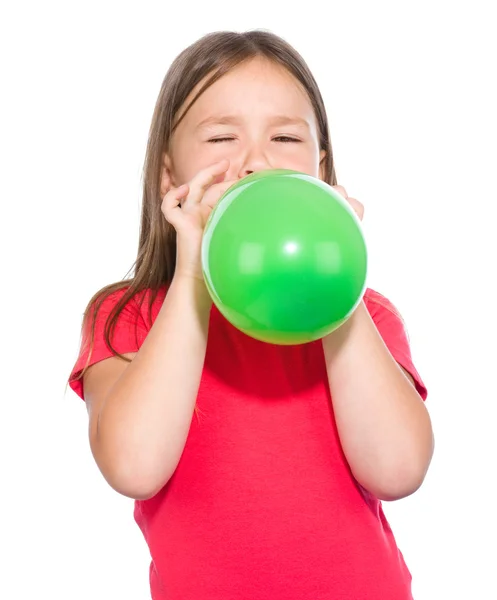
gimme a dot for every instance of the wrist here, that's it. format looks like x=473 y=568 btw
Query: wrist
x=192 y=283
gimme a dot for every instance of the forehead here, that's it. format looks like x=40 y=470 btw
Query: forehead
x=255 y=85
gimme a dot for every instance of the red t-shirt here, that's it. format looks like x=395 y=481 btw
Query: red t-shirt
x=262 y=505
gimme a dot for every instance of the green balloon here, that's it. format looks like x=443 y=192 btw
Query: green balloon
x=284 y=257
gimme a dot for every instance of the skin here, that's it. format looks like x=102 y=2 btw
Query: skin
x=140 y=413
x=258 y=117
x=273 y=126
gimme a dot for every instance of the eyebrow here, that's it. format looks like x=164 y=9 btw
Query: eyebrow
x=234 y=120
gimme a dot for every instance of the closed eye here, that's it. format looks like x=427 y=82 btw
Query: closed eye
x=224 y=139
x=285 y=139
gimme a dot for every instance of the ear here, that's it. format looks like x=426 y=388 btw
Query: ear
x=322 y=156
x=166 y=179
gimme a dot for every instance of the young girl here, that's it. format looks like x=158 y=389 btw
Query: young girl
x=258 y=470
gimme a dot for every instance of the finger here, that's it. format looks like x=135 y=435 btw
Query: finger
x=173 y=199
x=357 y=206
x=214 y=193
x=205 y=178
x=341 y=190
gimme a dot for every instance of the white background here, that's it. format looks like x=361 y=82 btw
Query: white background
x=410 y=90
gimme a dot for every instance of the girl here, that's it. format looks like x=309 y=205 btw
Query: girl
x=258 y=470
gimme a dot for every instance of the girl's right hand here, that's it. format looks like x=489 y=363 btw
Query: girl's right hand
x=187 y=208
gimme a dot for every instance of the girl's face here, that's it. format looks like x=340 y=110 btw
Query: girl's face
x=257 y=116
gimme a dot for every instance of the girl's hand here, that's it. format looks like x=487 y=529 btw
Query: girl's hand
x=355 y=204
x=188 y=207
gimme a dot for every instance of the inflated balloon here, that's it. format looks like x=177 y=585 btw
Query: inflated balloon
x=284 y=257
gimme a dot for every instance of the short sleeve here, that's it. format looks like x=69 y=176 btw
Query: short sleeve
x=129 y=333
x=392 y=329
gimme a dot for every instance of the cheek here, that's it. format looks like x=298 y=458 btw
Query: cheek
x=188 y=161
x=201 y=156
x=191 y=159
x=297 y=157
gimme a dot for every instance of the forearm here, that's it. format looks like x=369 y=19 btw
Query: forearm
x=384 y=427
x=145 y=420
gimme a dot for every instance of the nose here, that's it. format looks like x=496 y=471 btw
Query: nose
x=255 y=160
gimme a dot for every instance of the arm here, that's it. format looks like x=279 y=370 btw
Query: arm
x=141 y=413
x=384 y=427
x=139 y=422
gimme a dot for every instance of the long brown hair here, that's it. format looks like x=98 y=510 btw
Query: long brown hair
x=209 y=58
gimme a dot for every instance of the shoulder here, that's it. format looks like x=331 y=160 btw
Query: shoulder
x=123 y=297
x=376 y=302
x=392 y=328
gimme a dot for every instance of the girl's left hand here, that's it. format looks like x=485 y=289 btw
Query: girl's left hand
x=355 y=204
